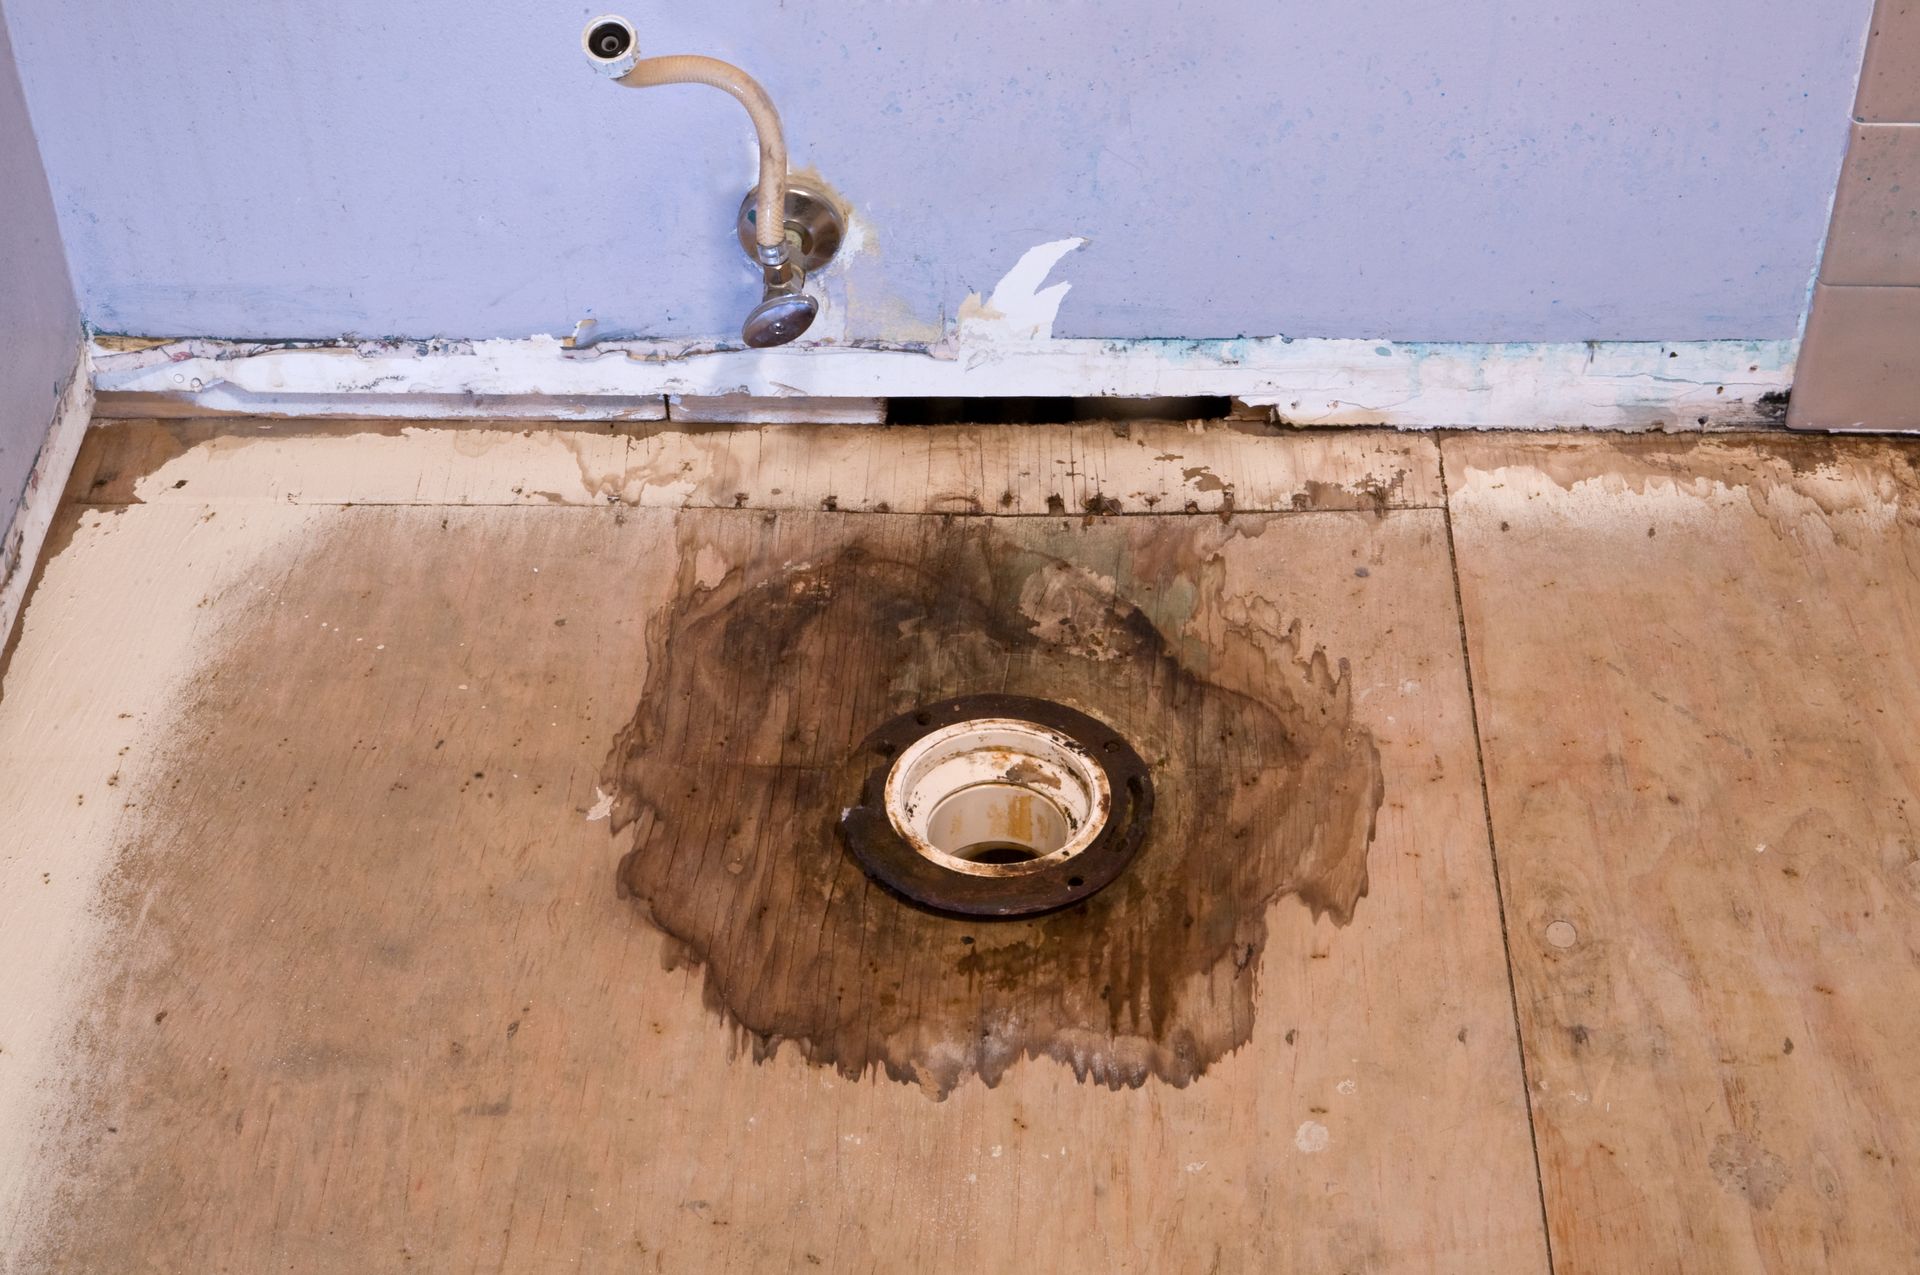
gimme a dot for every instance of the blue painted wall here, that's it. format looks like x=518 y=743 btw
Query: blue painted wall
x=39 y=324
x=1479 y=170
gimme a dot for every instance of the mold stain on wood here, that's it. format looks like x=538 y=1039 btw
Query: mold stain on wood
x=780 y=653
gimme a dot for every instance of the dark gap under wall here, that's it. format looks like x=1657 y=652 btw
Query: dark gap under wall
x=1053 y=411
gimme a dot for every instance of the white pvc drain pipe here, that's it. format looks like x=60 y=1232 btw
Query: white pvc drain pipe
x=996 y=796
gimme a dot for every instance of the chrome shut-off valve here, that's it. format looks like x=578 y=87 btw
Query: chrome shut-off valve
x=784 y=311
x=814 y=229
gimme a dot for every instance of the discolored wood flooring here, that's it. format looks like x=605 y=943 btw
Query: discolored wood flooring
x=419 y=853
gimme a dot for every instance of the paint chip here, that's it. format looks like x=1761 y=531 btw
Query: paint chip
x=1312 y=1137
x=1020 y=309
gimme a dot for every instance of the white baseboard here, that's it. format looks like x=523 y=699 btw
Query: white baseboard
x=27 y=533
x=1308 y=381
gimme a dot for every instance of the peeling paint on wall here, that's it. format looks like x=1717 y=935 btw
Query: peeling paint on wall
x=1000 y=345
x=1019 y=309
x=1612 y=385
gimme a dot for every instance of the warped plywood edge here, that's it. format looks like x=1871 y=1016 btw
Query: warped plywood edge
x=1082 y=470
x=1788 y=474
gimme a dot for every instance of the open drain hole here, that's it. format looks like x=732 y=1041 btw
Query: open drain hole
x=998 y=805
x=997 y=796
x=996 y=852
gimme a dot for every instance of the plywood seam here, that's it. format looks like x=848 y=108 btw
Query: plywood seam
x=1493 y=854
x=1001 y=514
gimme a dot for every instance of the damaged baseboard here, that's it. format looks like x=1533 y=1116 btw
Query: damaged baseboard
x=26 y=535
x=1308 y=381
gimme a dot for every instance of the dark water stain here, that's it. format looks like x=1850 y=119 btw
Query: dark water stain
x=1202 y=478
x=782 y=650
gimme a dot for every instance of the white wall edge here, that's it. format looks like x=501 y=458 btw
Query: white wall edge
x=1307 y=381
x=27 y=533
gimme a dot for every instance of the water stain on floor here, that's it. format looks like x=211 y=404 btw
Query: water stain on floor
x=361 y=994
x=779 y=654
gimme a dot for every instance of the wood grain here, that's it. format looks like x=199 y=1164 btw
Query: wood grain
x=1104 y=468
x=1695 y=668
x=365 y=997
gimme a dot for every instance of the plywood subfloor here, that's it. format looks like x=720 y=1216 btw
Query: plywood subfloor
x=310 y=748
x=359 y=989
x=1697 y=665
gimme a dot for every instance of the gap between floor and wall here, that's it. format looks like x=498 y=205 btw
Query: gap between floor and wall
x=976 y=375
x=1308 y=381
x=1275 y=382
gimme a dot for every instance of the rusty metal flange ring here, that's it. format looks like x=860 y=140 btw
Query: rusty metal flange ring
x=1098 y=832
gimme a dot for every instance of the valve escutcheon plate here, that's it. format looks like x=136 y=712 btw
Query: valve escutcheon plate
x=810 y=215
